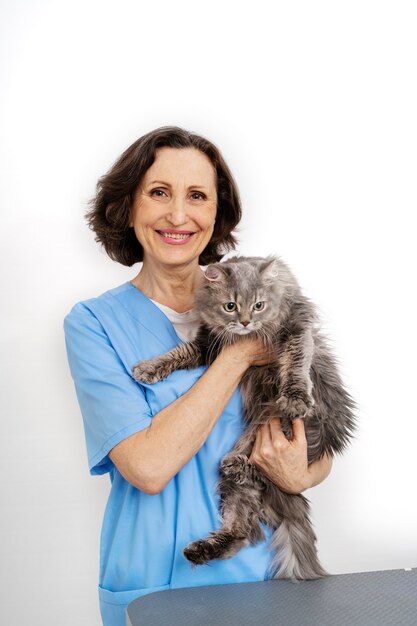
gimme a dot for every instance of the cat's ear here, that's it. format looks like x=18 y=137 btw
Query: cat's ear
x=214 y=274
x=270 y=269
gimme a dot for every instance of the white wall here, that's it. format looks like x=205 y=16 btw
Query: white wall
x=314 y=107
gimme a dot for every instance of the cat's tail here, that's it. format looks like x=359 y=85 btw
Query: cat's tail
x=294 y=543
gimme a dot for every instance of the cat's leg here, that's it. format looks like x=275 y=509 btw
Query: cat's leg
x=294 y=360
x=240 y=487
x=294 y=540
x=184 y=356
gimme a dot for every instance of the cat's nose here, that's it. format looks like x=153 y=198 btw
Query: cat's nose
x=245 y=322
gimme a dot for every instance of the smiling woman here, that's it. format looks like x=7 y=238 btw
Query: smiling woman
x=171 y=202
x=174 y=221
x=110 y=215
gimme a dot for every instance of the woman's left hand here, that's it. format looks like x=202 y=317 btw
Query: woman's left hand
x=284 y=461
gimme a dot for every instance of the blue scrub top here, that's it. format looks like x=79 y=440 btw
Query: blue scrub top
x=143 y=536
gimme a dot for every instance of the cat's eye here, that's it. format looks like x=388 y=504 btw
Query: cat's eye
x=258 y=306
x=230 y=307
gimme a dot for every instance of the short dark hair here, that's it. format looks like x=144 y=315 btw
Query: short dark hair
x=110 y=209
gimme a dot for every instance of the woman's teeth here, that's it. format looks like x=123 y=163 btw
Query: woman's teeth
x=176 y=235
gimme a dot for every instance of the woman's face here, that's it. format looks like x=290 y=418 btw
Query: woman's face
x=174 y=207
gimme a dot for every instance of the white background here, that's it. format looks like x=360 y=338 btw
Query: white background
x=313 y=105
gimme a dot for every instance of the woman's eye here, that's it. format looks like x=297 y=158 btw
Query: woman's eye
x=230 y=307
x=258 y=306
x=198 y=193
x=159 y=192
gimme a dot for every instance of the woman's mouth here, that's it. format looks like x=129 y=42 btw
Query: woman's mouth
x=175 y=237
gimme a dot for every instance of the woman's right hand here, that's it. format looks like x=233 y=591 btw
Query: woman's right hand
x=252 y=351
x=181 y=428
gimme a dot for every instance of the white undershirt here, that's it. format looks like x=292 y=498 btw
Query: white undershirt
x=185 y=324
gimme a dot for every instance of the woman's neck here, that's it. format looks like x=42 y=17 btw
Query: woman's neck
x=172 y=287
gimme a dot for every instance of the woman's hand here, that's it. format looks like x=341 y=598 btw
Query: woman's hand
x=250 y=351
x=284 y=462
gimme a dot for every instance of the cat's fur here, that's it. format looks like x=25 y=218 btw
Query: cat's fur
x=301 y=381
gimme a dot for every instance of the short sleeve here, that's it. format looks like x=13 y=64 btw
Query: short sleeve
x=112 y=403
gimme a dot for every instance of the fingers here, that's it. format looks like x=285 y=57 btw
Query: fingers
x=275 y=429
x=263 y=446
x=270 y=437
x=261 y=436
x=298 y=430
x=259 y=440
x=277 y=434
x=283 y=461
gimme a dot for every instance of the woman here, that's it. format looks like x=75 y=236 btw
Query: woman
x=171 y=202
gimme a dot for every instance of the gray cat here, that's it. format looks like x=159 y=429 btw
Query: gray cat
x=261 y=297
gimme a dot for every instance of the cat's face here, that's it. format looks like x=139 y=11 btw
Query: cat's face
x=242 y=296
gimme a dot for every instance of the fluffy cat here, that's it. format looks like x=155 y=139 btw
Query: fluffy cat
x=260 y=296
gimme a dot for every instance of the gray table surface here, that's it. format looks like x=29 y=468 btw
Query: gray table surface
x=387 y=598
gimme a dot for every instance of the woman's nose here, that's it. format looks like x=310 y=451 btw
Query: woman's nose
x=178 y=211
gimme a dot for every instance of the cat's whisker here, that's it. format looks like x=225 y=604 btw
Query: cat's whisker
x=266 y=340
x=217 y=341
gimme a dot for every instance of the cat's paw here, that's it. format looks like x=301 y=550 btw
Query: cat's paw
x=150 y=371
x=199 y=552
x=235 y=467
x=296 y=405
